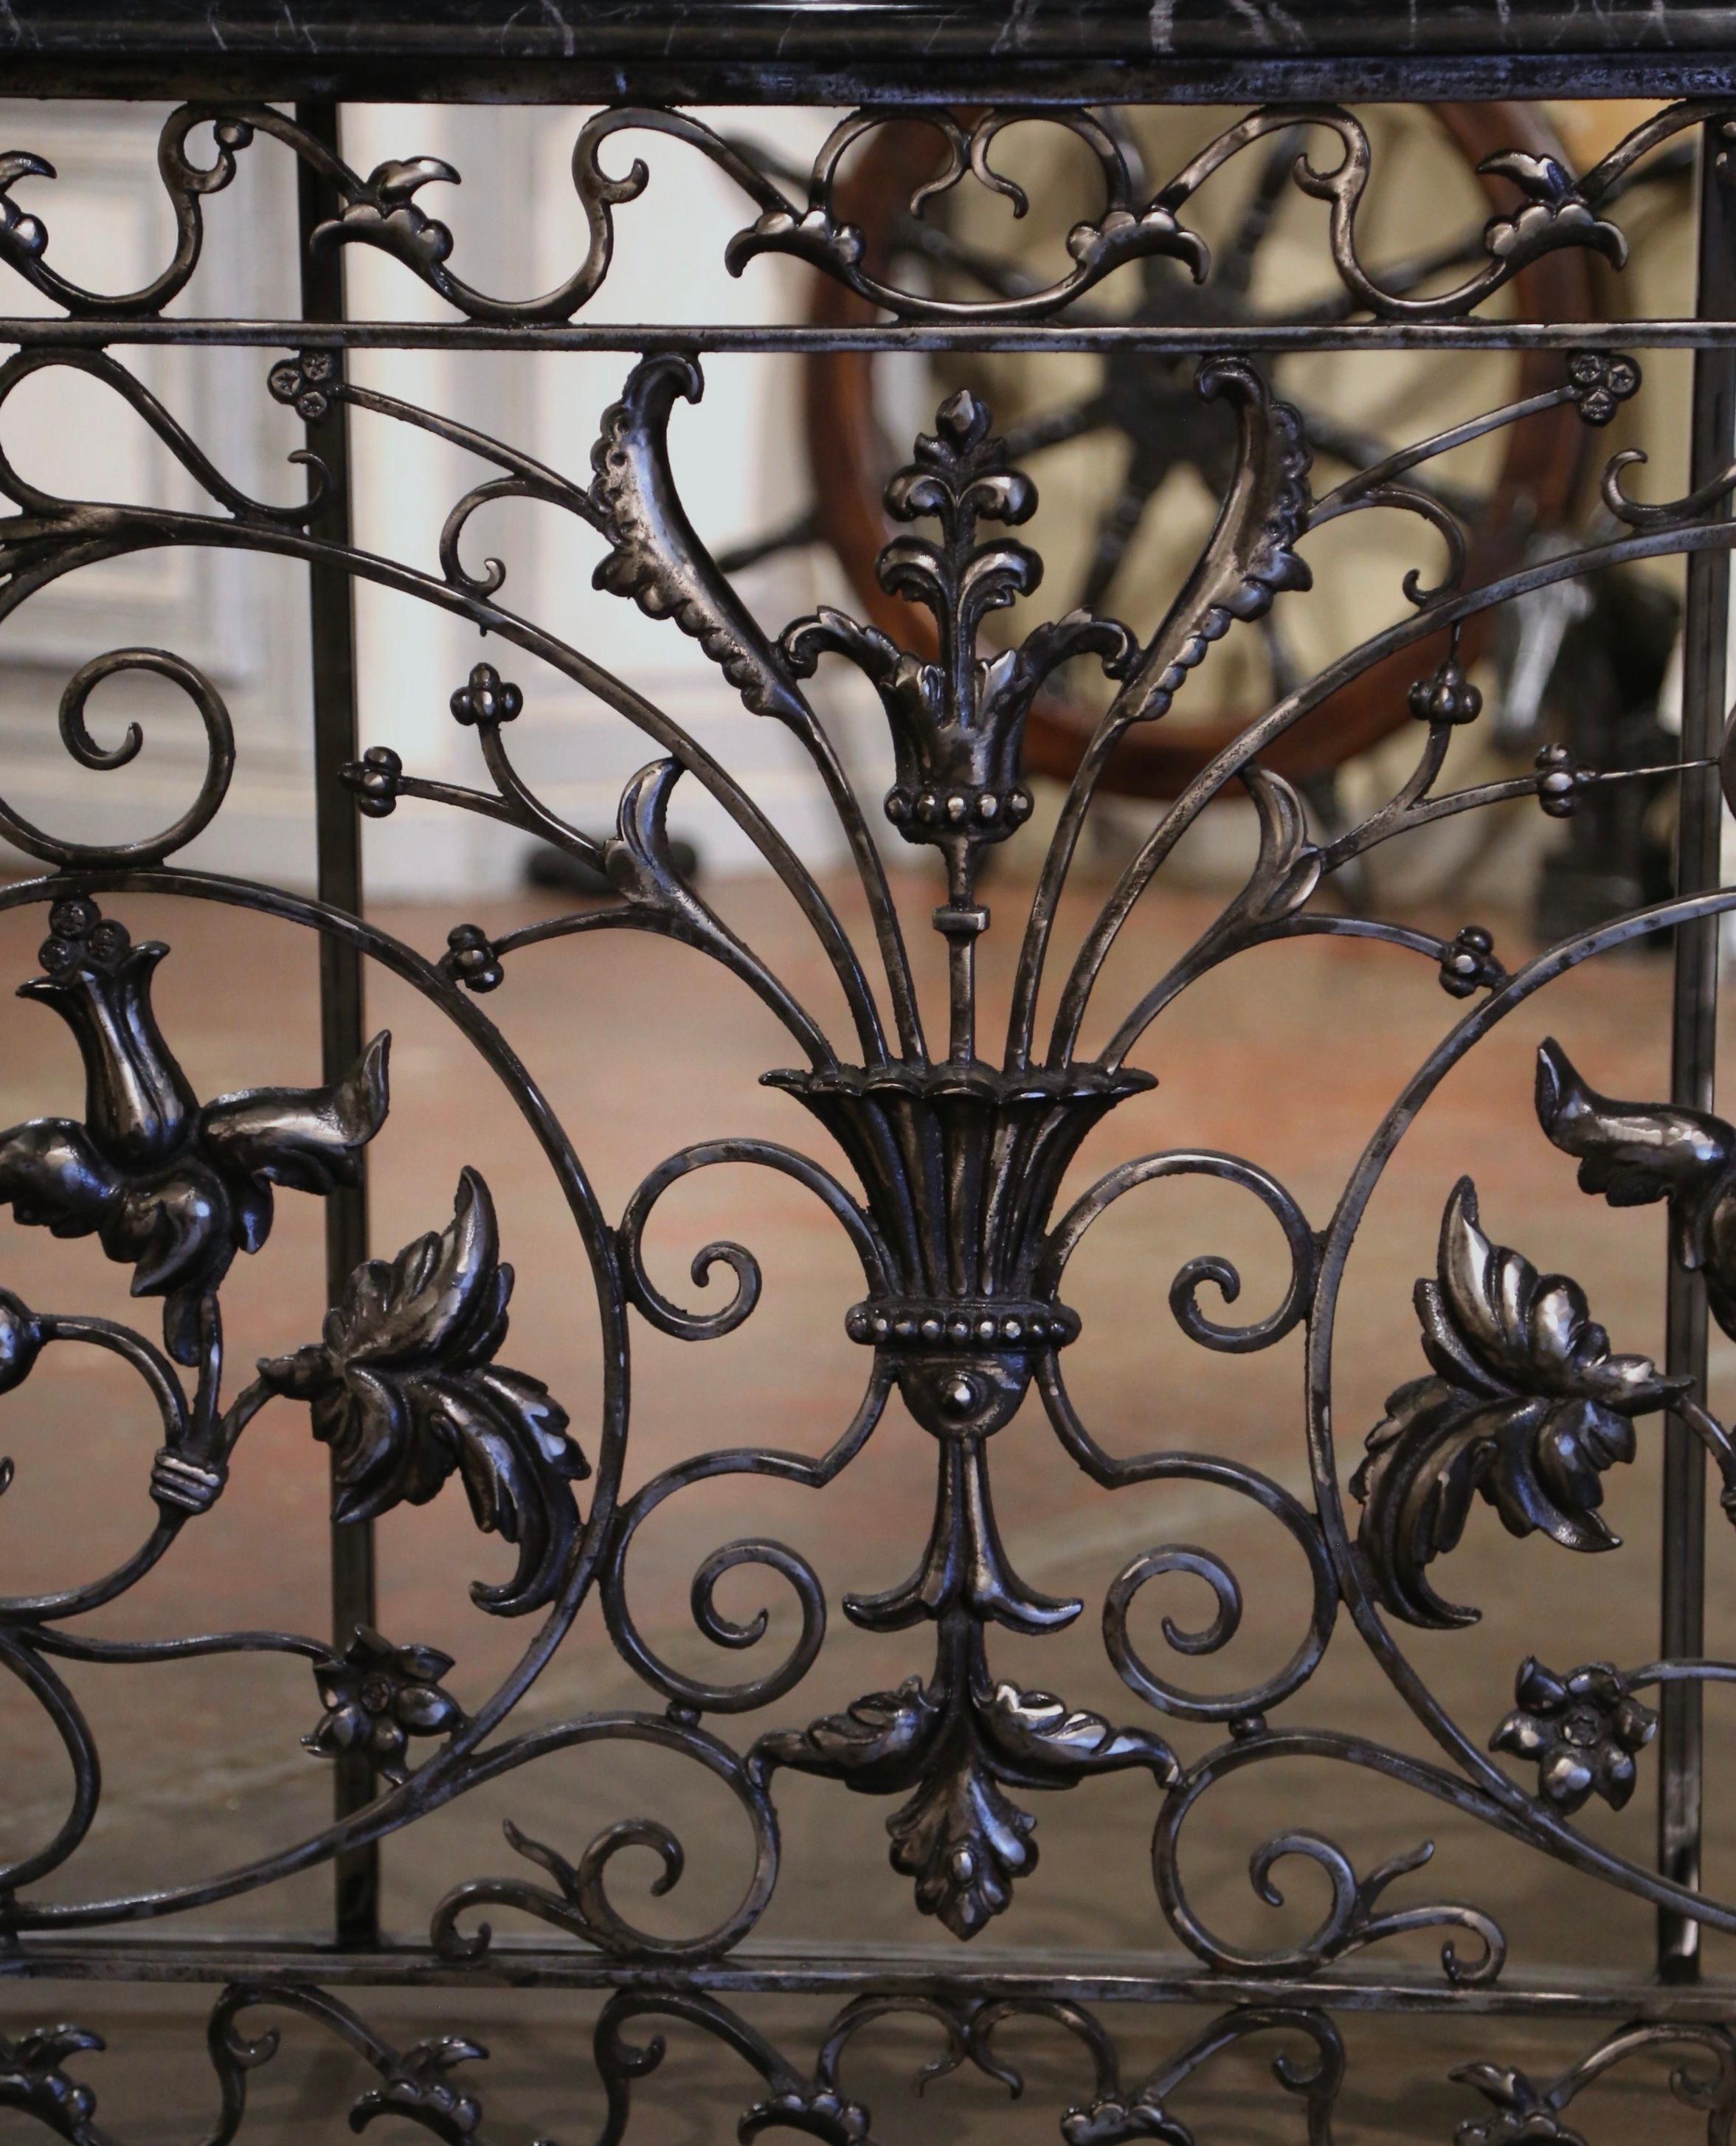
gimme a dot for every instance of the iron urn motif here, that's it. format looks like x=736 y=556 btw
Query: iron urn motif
x=956 y=1159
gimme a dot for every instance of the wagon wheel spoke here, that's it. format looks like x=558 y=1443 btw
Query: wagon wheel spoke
x=1051 y=428
x=794 y=534
x=1361 y=451
x=1235 y=272
x=939 y=246
x=1116 y=527
x=929 y=242
x=1287 y=673
x=1401 y=280
x=1676 y=160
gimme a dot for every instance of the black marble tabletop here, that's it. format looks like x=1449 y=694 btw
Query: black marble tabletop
x=580 y=50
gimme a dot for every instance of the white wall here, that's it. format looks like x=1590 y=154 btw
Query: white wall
x=241 y=620
x=518 y=229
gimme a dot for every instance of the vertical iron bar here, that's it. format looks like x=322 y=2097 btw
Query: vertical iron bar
x=331 y=598
x=1693 y=1042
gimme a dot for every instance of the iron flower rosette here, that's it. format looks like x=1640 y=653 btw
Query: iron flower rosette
x=961 y=1164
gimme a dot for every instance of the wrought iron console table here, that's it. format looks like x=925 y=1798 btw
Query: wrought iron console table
x=941 y=1154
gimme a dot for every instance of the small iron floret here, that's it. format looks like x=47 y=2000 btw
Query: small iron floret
x=1560 y=780
x=1582 y=1730
x=1600 y=382
x=375 y=780
x=471 y=959
x=378 y=1696
x=1446 y=696
x=1467 y=962
x=304 y=383
x=21 y=1340
x=487 y=698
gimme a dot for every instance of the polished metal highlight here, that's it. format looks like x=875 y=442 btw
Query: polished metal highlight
x=941 y=1160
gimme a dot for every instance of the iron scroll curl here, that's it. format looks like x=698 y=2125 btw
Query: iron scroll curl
x=950 y=1172
x=964 y=1395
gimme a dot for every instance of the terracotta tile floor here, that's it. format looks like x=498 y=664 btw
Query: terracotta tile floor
x=1289 y=1058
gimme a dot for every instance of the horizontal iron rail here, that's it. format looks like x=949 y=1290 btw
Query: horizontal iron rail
x=753 y=1969
x=726 y=336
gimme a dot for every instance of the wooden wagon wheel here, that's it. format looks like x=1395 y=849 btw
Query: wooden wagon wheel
x=1152 y=402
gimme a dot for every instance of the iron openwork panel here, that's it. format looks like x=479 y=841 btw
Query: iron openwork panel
x=940 y=1146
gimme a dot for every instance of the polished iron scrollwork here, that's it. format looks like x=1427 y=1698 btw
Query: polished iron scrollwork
x=945 y=1166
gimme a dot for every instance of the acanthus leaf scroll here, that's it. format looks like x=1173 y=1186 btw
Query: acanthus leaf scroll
x=1527 y=1407
x=953 y=1746
x=957 y=1163
x=404 y=1388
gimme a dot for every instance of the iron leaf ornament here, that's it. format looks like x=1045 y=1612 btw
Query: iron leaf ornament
x=405 y=1389
x=1524 y=2113
x=1527 y=1407
x=656 y=558
x=953 y=1746
x=173 y=1187
x=418 y=2087
x=33 y=2082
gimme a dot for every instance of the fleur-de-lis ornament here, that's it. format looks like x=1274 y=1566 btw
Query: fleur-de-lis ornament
x=958 y=723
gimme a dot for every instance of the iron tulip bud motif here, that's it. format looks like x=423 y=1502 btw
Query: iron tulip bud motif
x=1636 y=1153
x=173 y=1186
x=404 y=1388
